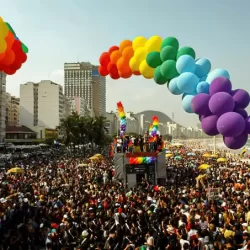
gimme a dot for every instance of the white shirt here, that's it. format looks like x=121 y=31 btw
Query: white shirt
x=182 y=242
x=203 y=225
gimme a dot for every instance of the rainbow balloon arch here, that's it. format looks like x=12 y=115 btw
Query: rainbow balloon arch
x=13 y=52
x=206 y=93
x=123 y=120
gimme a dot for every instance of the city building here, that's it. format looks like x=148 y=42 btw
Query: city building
x=42 y=104
x=83 y=80
x=13 y=108
x=2 y=106
x=79 y=105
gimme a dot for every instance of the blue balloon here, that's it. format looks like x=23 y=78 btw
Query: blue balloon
x=186 y=103
x=187 y=82
x=205 y=65
x=203 y=79
x=199 y=71
x=216 y=73
x=185 y=63
x=172 y=86
x=202 y=87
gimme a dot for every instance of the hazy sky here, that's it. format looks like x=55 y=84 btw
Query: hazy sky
x=58 y=31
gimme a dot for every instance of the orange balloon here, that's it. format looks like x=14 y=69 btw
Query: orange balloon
x=125 y=75
x=137 y=73
x=124 y=44
x=128 y=52
x=9 y=40
x=2 y=56
x=123 y=66
x=8 y=59
x=115 y=56
x=112 y=49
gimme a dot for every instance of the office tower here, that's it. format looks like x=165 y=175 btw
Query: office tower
x=83 y=80
x=42 y=104
x=2 y=106
x=12 y=111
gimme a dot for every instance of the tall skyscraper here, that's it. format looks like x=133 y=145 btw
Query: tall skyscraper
x=12 y=111
x=42 y=104
x=2 y=105
x=83 y=80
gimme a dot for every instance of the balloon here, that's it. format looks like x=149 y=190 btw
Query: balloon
x=200 y=104
x=124 y=44
x=231 y=124
x=9 y=40
x=104 y=59
x=103 y=71
x=216 y=73
x=209 y=125
x=186 y=51
x=168 y=53
x=9 y=71
x=3 y=30
x=112 y=49
x=114 y=76
x=9 y=58
x=202 y=87
x=168 y=69
x=241 y=98
x=242 y=112
x=25 y=48
x=139 y=42
x=153 y=59
x=112 y=68
x=220 y=84
x=202 y=117
x=247 y=120
x=115 y=56
x=173 y=88
x=2 y=56
x=125 y=75
x=187 y=82
x=140 y=54
x=153 y=44
x=158 y=77
x=221 y=103
x=199 y=71
x=123 y=66
x=3 y=46
x=186 y=103
x=10 y=28
x=204 y=64
x=134 y=64
x=185 y=63
x=145 y=70
x=128 y=53
x=236 y=142
x=170 y=41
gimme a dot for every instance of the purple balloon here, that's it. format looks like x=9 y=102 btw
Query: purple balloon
x=200 y=104
x=221 y=103
x=241 y=98
x=231 y=124
x=247 y=120
x=220 y=84
x=236 y=142
x=202 y=117
x=209 y=125
x=242 y=112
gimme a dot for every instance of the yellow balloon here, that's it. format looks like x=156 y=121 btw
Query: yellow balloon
x=3 y=45
x=134 y=64
x=139 y=42
x=3 y=30
x=140 y=54
x=145 y=70
x=153 y=44
x=1 y=19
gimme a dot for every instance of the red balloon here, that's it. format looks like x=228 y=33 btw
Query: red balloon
x=113 y=48
x=8 y=59
x=112 y=68
x=114 y=76
x=104 y=59
x=22 y=57
x=9 y=71
x=103 y=71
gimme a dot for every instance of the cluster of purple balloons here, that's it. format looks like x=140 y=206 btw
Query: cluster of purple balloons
x=222 y=111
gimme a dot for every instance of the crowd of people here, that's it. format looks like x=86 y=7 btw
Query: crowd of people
x=74 y=203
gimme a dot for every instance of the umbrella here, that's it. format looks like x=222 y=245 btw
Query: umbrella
x=204 y=166
x=168 y=152
x=168 y=155
x=222 y=160
x=214 y=156
x=178 y=158
x=98 y=155
x=206 y=155
x=191 y=154
x=94 y=158
x=82 y=165
x=16 y=171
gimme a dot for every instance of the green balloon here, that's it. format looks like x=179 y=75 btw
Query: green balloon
x=154 y=59
x=186 y=51
x=25 y=48
x=168 y=69
x=170 y=41
x=11 y=29
x=158 y=77
x=168 y=53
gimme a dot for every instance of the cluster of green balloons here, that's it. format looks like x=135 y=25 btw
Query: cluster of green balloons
x=164 y=62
